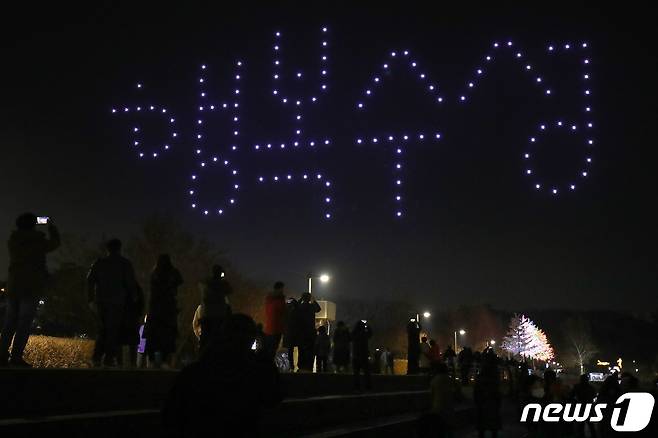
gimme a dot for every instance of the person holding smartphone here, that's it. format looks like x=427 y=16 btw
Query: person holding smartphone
x=26 y=281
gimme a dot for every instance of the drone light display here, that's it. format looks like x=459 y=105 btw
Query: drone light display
x=229 y=156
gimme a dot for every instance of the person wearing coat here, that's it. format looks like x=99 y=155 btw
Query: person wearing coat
x=26 y=282
x=161 y=328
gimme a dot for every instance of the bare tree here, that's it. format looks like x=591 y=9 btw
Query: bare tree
x=581 y=345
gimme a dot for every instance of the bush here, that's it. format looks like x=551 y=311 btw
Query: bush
x=51 y=352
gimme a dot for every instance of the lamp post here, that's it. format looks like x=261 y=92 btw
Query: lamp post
x=461 y=332
x=324 y=278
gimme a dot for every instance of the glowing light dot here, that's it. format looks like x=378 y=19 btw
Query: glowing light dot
x=550 y=48
x=326 y=142
x=319 y=176
x=289 y=176
x=261 y=179
x=359 y=141
x=567 y=46
x=114 y=110
x=529 y=171
x=589 y=160
x=399 y=213
x=374 y=140
x=573 y=187
x=462 y=98
x=528 y=67
x=438 y=136
x=139 y=85
x=299 y=75
x=538 y=79
x=471 y=85
x=406 y=137
x=327 y=200
x=360 y=105
x=527 y=155
x=479 y=71
x=584 y=45
x=376 y=79
x=555 y=191
x=532 y=139
x=440 y=99
x=509 y=44
x=518 y=55
x=548 y=91
x=390 y=138
x=584 y=173
x=203 y=67
x=537 y=186
x=328 y=216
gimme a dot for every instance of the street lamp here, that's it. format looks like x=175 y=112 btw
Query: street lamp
x=324 y=278
x=461 y=332
x=426 y=314
x=492 y=342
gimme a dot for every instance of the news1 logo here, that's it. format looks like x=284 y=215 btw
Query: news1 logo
x=630 y=413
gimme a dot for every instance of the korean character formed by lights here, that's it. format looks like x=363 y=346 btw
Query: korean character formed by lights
x=228 y=159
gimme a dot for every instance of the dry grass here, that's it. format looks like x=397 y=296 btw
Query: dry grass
x=50 y=352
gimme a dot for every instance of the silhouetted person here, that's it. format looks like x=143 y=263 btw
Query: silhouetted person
x=290 y=339
x=387 y=361
x=133 y=316
x=111 y=284
x=360 y=353
x=322 y=348
x=424 y=360
x=413 y=347
x=25 y=284
x=225 y=393
x=161 y=328
x=584 y=392
x=342 y=340
x=465 y=360
x=449 y=356
x=609 y=392
x=439 y=420
x=435 y=354
x=305 y=329
x=215 y=306
x=487 y=397
x=275 y=318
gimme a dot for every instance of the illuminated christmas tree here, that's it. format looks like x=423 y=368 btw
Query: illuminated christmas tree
x=525 y=339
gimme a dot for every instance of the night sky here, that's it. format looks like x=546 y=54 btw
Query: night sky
x=474 y=229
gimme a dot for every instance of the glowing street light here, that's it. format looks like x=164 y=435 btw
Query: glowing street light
x=461 y=332
x=324 y=278
x=426 y=314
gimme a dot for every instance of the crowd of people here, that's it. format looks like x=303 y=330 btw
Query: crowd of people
x=241 y=357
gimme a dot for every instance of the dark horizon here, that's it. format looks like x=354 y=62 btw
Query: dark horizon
x=474 y=230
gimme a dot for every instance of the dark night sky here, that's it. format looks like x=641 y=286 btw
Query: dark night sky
x=474 y=230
